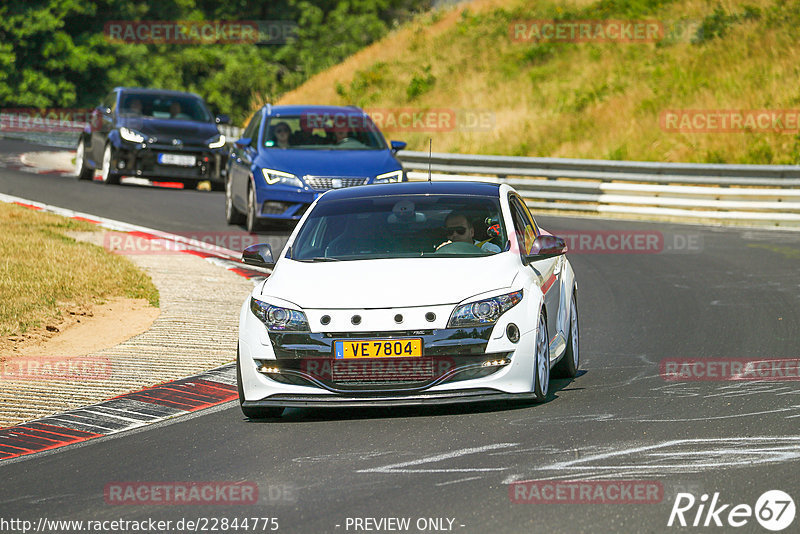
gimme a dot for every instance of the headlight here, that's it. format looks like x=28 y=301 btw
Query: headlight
x=274 y=177
x=484 y=312
x=131 y=135
x=217 y=142
x=389 y=177
x=279 y=319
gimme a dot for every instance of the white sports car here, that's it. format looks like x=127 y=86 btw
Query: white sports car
x=408 y=294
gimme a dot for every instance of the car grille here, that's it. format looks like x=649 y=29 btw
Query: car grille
x=334 y=182
x=382 y=371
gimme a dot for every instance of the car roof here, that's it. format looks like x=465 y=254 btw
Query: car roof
x=483 y=189
x=149 y=90
x=321 y=110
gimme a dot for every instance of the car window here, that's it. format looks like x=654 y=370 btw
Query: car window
x=251 y=131
x=524 y=226
x=164 y=106
x=398 y=227
x=310 y=131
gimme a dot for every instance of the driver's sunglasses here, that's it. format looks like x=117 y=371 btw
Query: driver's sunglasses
x=460 y=230
x=281 y=130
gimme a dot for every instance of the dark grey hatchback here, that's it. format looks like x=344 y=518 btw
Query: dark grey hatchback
x=155 y=134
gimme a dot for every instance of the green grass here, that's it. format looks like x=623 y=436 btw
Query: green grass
x=43 y=271
x=585 y=100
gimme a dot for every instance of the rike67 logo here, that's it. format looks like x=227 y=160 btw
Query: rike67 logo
x=774 y=510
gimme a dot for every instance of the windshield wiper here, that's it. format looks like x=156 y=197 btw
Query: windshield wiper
x=319 y=259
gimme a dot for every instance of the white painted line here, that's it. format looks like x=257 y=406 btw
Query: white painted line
x=112 y=224
x=457 y=481
x=401 y=467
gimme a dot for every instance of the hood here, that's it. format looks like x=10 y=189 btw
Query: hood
x=329 y=162
x=190 y=132
x=390 y=283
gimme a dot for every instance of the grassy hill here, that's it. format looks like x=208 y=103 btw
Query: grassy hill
x=586 y=100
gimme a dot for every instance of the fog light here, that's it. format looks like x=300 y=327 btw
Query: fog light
x=512 y=332
x=120 y=164
x=497 y=363
x=269 y=370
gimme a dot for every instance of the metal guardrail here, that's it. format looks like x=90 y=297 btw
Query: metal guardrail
x=763 y=193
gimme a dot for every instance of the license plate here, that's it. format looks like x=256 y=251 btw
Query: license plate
x=377 y=348
x=177 y=159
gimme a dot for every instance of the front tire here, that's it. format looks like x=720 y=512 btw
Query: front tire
x=569 y=364
x=232 y=215
x=252 y=220
x=109 y=177
x=249 y=411
x=82 y=172
x=541 y=363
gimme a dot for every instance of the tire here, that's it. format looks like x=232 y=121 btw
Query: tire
x=81 y=171
x=251 y=224
x=232 y=215
x=568 y=366
x=249 y=411
x=541 y=362
x=109 y=177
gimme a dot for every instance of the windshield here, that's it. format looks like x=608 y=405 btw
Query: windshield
x=410 y=226
x=312 y=131
x=174 y=107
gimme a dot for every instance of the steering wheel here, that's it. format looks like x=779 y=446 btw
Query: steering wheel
x=458 y=247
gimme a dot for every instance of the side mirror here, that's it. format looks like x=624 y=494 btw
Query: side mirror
x=546 y=246
x=397 y=146
x=243 y=142
x=222 y=119
x=259 y=255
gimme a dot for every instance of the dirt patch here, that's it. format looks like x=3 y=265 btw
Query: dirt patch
x=83 y=330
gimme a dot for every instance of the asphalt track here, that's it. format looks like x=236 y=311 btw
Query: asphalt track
x=736 y=294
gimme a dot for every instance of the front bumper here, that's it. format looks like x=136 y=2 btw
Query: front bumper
x=430 y=398
x=142 y=162
x=481 y=366
x=283 y=203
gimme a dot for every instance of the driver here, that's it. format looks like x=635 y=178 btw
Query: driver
x=458 y=228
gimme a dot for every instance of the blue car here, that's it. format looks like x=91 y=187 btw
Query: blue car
x=289 y=155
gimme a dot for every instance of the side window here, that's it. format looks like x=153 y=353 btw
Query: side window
x=529 y=216
x=252 y=129
x=524 y=227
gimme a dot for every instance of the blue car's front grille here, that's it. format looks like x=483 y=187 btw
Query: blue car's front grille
x=323 y=183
